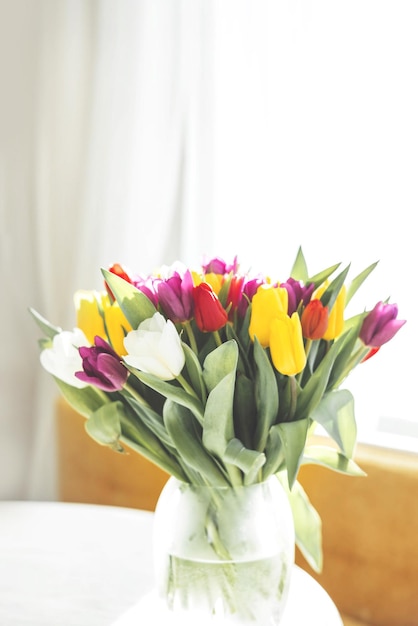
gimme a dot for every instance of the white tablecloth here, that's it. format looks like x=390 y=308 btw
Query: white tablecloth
x=89 y=565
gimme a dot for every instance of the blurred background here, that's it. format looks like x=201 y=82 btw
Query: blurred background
x=149 y=131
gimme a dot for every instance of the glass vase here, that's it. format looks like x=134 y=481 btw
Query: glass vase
x=224 y=555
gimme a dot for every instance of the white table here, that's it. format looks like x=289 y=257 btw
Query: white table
x=89 y=565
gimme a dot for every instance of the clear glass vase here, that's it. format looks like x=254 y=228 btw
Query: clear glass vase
x=224 y=554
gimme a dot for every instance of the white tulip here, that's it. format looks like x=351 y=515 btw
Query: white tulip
x=62 y=360
x=155 y=348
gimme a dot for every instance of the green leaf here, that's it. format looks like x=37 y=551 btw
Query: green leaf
x=219 y=372
x=299 y=269
x=293 y=436
x=346 y=346
x=186 y=436
x=143 y=430
x=359 y=280
x=194 y=371
x=218 y=419
x=169 y=465
x=243 y=346
x=335 y=413
x=104 y=425
x=170 y=391
x=275 y=459
x=308 y=525
x=85 y=401
x=135 y=305
x=46 y=327
x=330 y=295
x=267 y=395
x=248 y=461
x=244 y=407
x=147 y=418
x=332 y=459
x=311 y=394
x=219 y=363
x=322 y=276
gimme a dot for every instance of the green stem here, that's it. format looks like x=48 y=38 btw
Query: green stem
x=308 y=346
x=191 y=337
x=217 y=338
x=183 y=382
x=293 y=397
x=133 y=392
x=355 y=359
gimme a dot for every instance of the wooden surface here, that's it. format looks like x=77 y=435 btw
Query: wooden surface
x=91 y=473
x=370 y=536
x=349 y=621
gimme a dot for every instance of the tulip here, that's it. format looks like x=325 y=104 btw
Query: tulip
x=102 y=367
x=286 y=345
x=215 y=281
x=249 y=289
x=62 y=359
x=234 y=296
x=336 y=316
x=314 y=320
x=88 y=306
x=120 y=271
x=219 y=266
x=210 y=315
x=268 y=303
x=117 y=326
x=380 y=325
x=175 y=297
x=297 y=293
x=155 y=348
x=148 y=286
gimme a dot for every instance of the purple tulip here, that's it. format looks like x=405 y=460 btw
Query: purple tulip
x=175 y=297
x=148 y=286
x=219 y=266
x=249 y=288
x=102 y=366
x=297 y=293
x=380 y=325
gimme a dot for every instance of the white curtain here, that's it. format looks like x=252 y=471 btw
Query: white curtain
x=105 y=122
x=145 y=131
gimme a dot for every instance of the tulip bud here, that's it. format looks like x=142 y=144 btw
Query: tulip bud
x=209 y=313
x=102 y=367
x=89 y=315
x=155 y=348
x=267 y=304
x=336 y=317
x=175 y=297
x=117 y=326
x=380 y=325
x=314 y=320
x=286 y=345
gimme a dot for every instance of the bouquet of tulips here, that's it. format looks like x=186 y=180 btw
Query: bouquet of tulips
x=219 y=376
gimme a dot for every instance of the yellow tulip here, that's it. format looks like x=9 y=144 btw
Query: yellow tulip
x=215 y=281
x=268 y=303
x=286 y=345
x=336 y=315
x=89 y=314
x=117 y=327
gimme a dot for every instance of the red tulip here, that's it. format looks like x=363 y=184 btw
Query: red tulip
x=314 y=320
x=209 y=312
